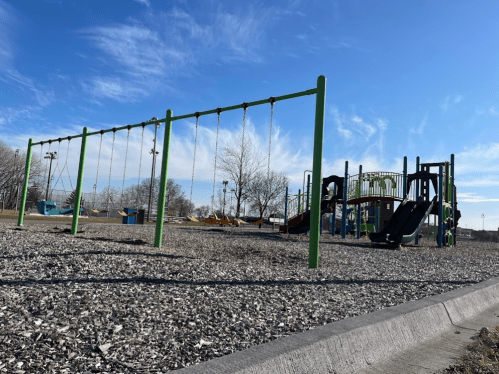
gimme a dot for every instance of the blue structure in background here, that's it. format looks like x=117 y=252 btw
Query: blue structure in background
x=129 y=220
x=49 y=208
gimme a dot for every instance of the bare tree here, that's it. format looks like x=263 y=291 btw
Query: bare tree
x=202 y=212
x=239 y=162
x=267 y=191
x=12 y=164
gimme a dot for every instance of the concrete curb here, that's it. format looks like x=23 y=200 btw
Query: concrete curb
x=356 y=343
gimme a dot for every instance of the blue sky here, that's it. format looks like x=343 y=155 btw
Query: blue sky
x=403 y=79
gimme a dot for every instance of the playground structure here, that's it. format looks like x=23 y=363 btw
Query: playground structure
x=372 y=194
x=314 y=216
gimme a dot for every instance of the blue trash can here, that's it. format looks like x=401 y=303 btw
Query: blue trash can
x=129 y=220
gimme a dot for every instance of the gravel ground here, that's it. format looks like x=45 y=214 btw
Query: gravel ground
x=107 y=301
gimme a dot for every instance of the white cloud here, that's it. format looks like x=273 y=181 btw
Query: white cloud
x=7 y=27
x=113 y=88
x=43 y=97
x=170 y=42
x=422 y=125
x=145 y=2
x=449 y=100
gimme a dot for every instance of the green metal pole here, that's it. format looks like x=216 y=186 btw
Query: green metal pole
x=164 y=177
x=25 y=187
x=79 y=182
x=315 y=211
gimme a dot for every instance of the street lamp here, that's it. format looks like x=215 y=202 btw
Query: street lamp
x=52 y=156
x=225 y=190
x=483 y=217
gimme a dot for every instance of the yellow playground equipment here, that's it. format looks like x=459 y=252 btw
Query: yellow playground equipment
x=133 y=214
x=214 y=220
x=99 y=211
x=192 y=219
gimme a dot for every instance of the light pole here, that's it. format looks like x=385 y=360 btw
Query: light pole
x=153 y=171
x=52 y=156
x=231 y=190
x=483 y=217
x=225 y=190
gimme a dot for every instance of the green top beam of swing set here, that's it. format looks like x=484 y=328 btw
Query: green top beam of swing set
x=252 y=103
x=195 y=114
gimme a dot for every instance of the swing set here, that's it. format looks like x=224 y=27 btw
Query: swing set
x=319 y=91
x=213 y=219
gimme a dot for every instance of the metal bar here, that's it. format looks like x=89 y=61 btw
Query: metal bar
x=253 y=103
x=416 y=239
x=405 y=177
x=20 y=219
x=344 y=212
x=286 y=208
x=440 y=205
x=315 y=211
x=358 y=205
x=453 y=201
x=147 y=123
x=334 y=213
x=79 y=182
x=164 y=177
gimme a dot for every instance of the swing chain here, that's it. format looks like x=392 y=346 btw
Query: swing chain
x=272 y=101
x=110 y=168
x=245 y=107
x=194 y=161
x=124 y=169
x=219 y=110
x=140 y=162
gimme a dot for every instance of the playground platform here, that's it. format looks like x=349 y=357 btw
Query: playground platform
x=421 y=336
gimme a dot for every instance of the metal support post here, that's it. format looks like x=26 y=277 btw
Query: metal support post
x=334 y=214
x=453 y=201
x=404 y=181
x=344 y=213
x=440 y=205
x=158 y=237
x=313 y=257
x=286 y=207
x=358 y=205
x=416 y=239
x=79 y=182
x=20 y=218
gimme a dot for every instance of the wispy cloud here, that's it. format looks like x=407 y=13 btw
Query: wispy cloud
x=145 y=2
x=347 y=125
x=155 y=51
x=43 y=96
x=12 y=116
x=420 y=129
x=7 y=25
x=456 y=99
x=113 y=88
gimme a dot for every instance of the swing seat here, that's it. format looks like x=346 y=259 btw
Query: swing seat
x=98 y=211
x=133 y=214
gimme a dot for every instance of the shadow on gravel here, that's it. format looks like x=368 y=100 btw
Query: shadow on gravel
x=174 y=282
x=111 y=253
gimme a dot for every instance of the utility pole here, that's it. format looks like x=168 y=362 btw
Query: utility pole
x=153 y=171
x=225 y=190
x=52 y=156
x=483 y=217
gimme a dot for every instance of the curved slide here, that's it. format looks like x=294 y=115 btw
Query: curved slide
x=405 y=222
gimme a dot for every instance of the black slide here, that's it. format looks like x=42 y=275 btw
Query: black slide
x=405 y=222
